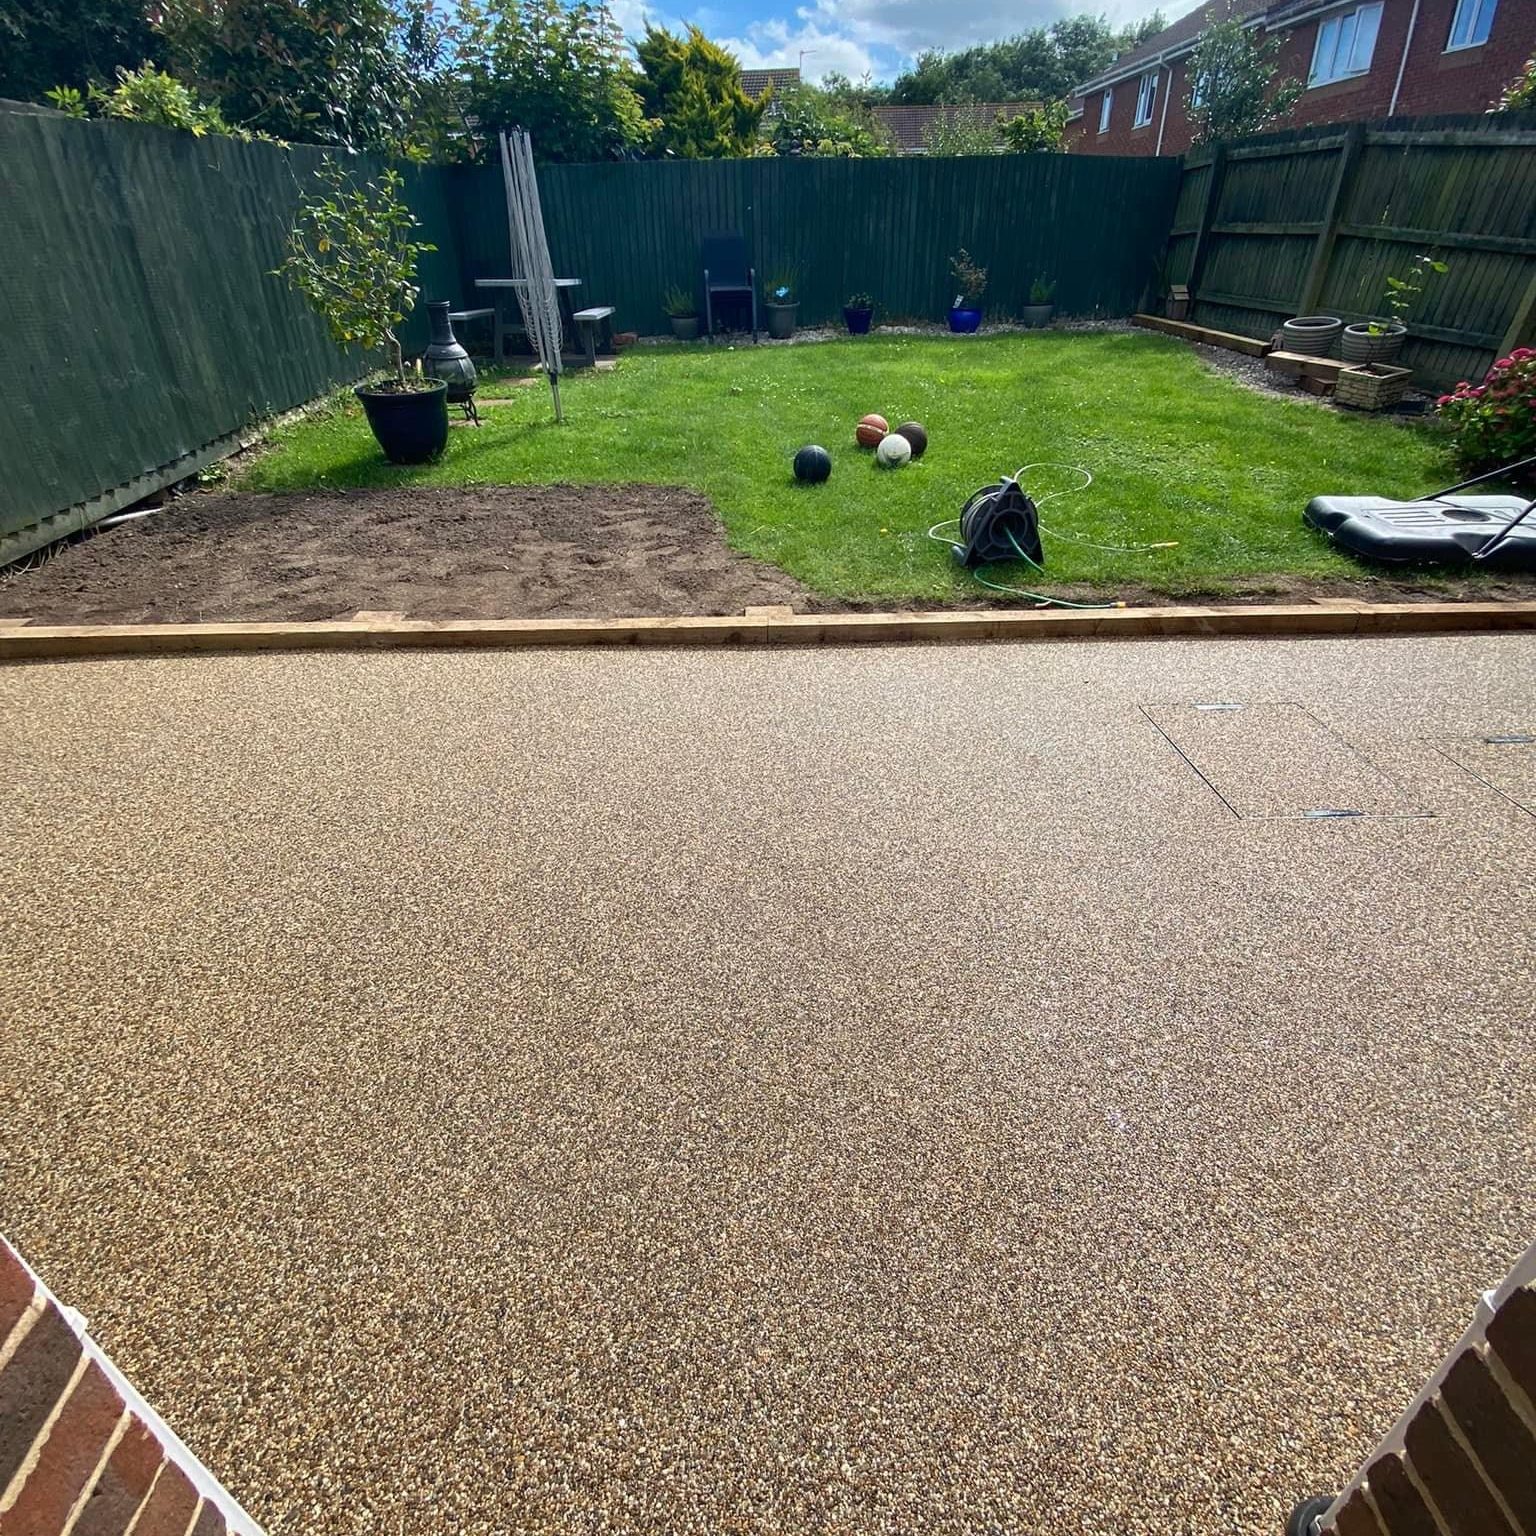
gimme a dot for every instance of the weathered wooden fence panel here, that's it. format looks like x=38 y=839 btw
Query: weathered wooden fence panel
x=1091 y=224
x=145 y=326
x=1317 y=220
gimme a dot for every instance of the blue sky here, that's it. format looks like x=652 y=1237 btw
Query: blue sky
x=880 y=36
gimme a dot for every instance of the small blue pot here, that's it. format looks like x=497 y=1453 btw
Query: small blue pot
x=964 y=321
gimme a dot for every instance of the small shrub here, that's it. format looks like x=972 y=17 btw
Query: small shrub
x=351 y=255
x=781 y=289
x=1036 y=131
x=678 y=304
x=970 y=280
x=860 y=301
x=1402 y=292
x=1041 y=291
x=1521 y=93
x=1495 y=422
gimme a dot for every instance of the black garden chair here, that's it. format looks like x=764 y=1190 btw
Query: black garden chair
x=728 y=272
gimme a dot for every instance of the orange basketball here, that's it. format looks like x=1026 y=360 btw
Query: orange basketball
x=870 y=430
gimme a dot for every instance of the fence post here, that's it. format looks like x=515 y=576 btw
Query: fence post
x=1520 y=322
x=1208 y=207
x=1322 y=252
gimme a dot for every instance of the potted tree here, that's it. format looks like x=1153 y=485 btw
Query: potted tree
x=782 y=307
x=858 y=312
x=351 y=255
x=1040 y=308
x=971 y=288
x=683 y=312
x=1380 y=340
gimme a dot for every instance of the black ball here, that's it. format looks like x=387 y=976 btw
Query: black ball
x=916 y=434
x=813 y=464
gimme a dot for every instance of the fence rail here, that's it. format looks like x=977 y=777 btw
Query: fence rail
x=1315 y=221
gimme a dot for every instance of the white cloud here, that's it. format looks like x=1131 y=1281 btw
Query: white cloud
x=780 y=44
x=882 y=36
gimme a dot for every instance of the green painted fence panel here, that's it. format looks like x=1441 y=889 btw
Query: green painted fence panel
x=1091 y=224
x=145 y=325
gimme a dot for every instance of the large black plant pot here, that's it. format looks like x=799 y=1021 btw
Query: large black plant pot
x=411 y=425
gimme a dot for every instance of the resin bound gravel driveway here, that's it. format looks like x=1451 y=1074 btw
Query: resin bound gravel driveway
x=953 y=1090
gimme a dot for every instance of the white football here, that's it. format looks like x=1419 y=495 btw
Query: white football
x=894 y=450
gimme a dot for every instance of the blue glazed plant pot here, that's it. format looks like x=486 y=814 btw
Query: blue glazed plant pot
x=964 y=321
x=857 y=320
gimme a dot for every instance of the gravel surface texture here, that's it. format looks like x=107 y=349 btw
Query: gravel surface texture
x=863 y=1091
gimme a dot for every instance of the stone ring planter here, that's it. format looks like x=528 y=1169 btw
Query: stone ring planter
x=1035 y=316
x=685 y=327
x=1312 y=335
x=1362 y=345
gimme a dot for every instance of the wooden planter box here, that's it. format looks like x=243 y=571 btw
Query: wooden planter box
x=1372 y=387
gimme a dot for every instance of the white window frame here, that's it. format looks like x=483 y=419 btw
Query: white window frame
x=1471 y=13
x=1331 y=32
x=1106 y=107
x=1146 y=99
x=1199 y=83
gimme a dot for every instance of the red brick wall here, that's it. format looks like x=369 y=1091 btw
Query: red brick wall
x=1434 y=81
x=1467 y=1453
x=79 y=1452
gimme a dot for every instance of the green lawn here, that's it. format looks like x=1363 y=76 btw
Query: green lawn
x=1176 y=452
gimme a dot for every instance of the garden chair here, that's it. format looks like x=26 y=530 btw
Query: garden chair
x=728 y=271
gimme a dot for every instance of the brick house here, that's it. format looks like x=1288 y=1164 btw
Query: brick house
x=1359 y=59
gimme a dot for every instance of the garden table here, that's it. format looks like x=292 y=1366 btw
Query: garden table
x=503 y=286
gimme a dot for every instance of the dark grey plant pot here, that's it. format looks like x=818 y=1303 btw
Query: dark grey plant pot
x=412 y=424
x=1312 y=335
x=1035 y=316
x=1360 y=346
x=781 y=320
x=685 y=327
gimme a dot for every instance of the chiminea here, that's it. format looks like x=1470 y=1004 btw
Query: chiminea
x=445 y=359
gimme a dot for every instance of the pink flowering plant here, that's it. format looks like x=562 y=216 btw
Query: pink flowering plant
x=1495 y=421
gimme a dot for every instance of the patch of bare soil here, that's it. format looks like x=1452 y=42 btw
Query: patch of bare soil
x=480 y=552
x=511 y=552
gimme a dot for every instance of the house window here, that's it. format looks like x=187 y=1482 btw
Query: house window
x=1146 y=99
x=1105 y=108
x=1345 y=44
x=1197 y=89
x=1472 y=23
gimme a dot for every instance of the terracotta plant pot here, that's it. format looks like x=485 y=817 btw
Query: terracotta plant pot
x=1313 y=335
x=963 y=320
x=410 y=424
x=1361 y=345
x=685 y=327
